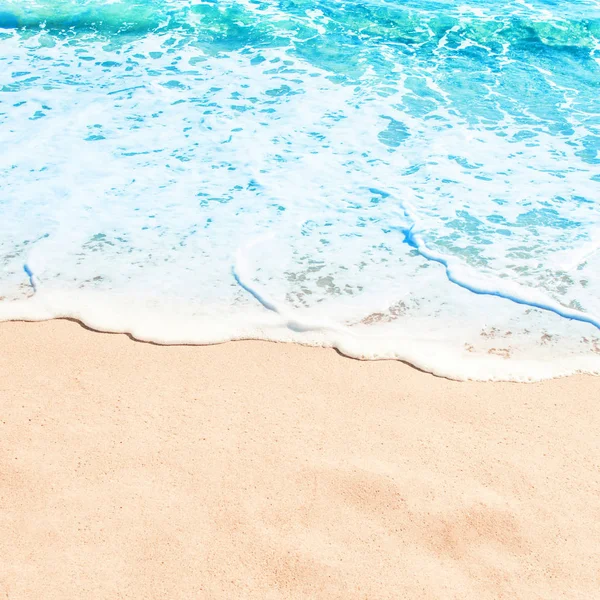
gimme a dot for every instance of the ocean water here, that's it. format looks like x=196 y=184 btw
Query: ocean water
x=417 y=180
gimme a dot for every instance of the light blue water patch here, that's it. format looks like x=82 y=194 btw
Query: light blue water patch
x=256 y=169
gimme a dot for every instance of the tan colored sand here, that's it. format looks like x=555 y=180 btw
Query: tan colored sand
x=257 y=470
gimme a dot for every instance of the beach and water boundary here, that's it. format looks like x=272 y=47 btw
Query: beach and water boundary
x=407 y=182
x=383 y=175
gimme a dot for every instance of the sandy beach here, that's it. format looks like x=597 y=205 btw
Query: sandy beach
x=262 y=470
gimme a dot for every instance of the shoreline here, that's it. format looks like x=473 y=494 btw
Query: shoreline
x=261 y=470
x=443 y=360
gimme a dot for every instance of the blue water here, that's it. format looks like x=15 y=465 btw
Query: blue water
x=411 y=180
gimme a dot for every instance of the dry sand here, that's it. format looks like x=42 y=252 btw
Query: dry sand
x=258 y=470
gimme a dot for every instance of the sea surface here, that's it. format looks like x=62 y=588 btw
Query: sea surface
x=417 y=180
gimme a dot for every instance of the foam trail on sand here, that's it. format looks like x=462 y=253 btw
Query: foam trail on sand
x=242 y=274
x=499 y=288
x=31 y=276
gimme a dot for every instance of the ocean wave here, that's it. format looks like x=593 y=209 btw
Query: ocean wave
x=76 y=16
x=283 y=23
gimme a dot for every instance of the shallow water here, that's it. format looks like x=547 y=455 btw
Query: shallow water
x=412 y=180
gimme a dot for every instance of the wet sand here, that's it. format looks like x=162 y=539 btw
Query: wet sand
x=262 y=470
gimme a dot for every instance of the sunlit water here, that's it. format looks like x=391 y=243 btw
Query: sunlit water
x=416 y=180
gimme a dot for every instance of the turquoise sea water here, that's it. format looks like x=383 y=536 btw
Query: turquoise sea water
x=415 y=180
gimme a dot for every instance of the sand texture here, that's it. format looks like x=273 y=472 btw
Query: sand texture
x=261 y=470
